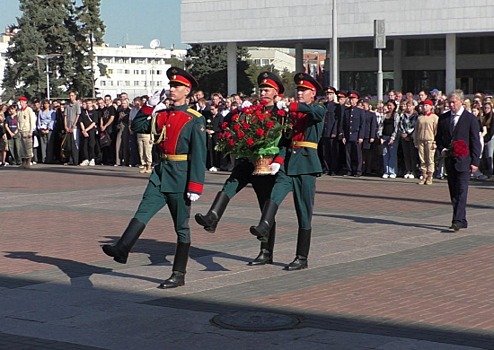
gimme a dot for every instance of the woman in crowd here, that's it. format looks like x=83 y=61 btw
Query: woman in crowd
x=387 y=131
x=488 y=123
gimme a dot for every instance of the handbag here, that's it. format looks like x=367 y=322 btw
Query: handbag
x=104 y=140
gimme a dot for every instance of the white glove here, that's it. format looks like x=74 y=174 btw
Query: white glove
x=275 y=167
x=155 y=99
x=159 y=107
x=193 y=196
x=246 y=103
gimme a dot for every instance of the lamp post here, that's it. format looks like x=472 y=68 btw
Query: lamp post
x=47 y=59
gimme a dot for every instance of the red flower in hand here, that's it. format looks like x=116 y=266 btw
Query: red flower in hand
x=459 y=148
x=249 y=141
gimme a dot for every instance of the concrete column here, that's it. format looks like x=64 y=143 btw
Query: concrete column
x=299 y=57
x=335 y=71
x=397 y=65
x=450 y=62
x=231 y=62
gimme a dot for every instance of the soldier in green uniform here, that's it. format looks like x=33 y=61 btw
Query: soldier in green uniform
x=270 y=88
x=177 y=180
x=296 y=168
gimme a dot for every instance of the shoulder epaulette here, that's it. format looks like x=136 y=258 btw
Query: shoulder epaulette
x=194 y=112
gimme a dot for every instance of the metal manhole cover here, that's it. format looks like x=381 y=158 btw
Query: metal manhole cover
x=254 y=321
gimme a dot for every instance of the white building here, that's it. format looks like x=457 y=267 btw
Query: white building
x=279 y=58
x=133 y=69
x=430 y=44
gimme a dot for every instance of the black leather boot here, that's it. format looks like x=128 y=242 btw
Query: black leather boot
x=177 y=278
x=120 y=251
x=267 y=220
x=303 y=246
x=266 y=254
x=211 y=219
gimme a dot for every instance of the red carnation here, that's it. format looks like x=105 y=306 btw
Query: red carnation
x=260 y=132
x=459 y=148
x=236 y=127
x=249 y=141
x=240 y=135
x=269 y=125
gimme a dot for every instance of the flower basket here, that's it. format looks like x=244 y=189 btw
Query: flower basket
x=261 y=166
x=254 y=133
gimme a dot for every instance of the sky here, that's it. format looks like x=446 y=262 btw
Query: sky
x=135 y=22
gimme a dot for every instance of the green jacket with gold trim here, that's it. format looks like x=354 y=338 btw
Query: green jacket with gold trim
x=182 y=131
x=307 y=126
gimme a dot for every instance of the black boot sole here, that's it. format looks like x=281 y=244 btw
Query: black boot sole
x=110 y=251
x=258 y=263
x=263 y=237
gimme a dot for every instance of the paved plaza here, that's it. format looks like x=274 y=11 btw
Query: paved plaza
x=384 y=270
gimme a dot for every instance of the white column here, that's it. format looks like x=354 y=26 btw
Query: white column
x=231 y=62
x=397 y=64
x=335 y=72
x=450 y=62
x=299 y=57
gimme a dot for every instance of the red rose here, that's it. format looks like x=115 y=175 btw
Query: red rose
x=224 y=125
x=269 y=124
x=220 y=135
x=228 y=134
x=236 y=127
x=234 y=118
x=245 y=126
x=231 y=142
x=259 y=132
x=263 y=102
x=240 y=135
x=281 y=112
x=261 y=117
x=460 y=148
x=249 y=141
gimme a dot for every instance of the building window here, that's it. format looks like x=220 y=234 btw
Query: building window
x=136 y=83
x=136 y=71
x=127 y=71
x=109 y=71
x=158 y=72
x=102 y=83
x=158 y=83
x=425 y=47
x=127 y=83
x=416 y=80
x=120 y=60
x=119 y=71
x=143 y=72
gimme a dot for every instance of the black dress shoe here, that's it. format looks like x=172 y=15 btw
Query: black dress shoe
x=456 y=227
x=177 y=279
x=264 y=257
x=298 y=263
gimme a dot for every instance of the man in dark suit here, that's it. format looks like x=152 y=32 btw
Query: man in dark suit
x=370 y=135
x=458 y=130
x=329 y=141
x=353 y=128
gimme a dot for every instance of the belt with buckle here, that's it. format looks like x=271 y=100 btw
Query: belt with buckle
x=304 y=144
x=175 y=157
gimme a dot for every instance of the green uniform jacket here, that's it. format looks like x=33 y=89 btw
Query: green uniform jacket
x=183 y=134
x=308 y=123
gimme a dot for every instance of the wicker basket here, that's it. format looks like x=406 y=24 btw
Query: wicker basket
x=261 y=166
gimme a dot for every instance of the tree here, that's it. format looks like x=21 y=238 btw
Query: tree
x=209 y=67
x=57 y=28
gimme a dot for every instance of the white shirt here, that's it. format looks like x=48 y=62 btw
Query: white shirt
x=457 y=115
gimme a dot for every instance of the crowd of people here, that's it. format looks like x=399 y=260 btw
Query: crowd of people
x=395 y=138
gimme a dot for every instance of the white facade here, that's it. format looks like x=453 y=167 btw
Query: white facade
x=431 y=44
x=133 y=69
x=279 y=58
x=3 y=61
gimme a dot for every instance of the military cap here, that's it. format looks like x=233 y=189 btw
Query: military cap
x=179 y=76
x=353 y=94
x=270 y=80
x=304 y=80
x=329 y=89
x=341 y=94
x=23 y=98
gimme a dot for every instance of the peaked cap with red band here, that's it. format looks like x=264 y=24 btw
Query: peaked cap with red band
x=179 y=76
x=341 y=94
x=304 y=80
x=353 y=94
x=270 y=80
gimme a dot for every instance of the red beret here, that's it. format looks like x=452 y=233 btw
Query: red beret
x=429 y=102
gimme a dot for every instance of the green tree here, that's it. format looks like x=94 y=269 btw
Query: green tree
x=208 y=64
x=60 y=29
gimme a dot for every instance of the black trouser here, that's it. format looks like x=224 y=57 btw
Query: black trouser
x=330 y=152
x=87 y=145
x=353 y=153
